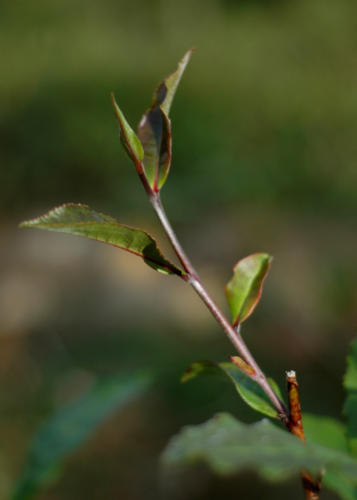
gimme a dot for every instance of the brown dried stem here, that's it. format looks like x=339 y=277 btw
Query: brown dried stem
x=294 y=424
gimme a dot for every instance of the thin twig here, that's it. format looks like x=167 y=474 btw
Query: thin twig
x=233 y=335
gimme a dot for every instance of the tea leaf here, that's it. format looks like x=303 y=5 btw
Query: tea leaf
x=129 y=139
x=80 y=220
x=228 y=446
x=248 y=389
x=154 y=132
x=243 y=291
x=165 y=92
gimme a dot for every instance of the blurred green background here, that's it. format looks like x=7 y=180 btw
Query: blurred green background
x=264 y=130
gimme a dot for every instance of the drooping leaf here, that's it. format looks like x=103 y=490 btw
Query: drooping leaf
x=154 y=131
x=243 y=291
x=129 y=139
x=248 y=389
x=228 y=446
x=80 y=220
x=331 y=433
x=67 y=429
x=165 y=92
x=350 y=408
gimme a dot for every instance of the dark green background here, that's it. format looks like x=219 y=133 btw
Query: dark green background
x=264 y=130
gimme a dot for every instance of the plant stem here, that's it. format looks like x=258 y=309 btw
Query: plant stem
x=294 y=424
x=233 y=335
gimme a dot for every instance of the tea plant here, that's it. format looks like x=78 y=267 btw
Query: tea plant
x=322 y=450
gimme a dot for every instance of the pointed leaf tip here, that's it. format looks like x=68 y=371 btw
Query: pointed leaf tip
x=244 y=290
x=154 y=129
x=80 y=220
x=130 y=140
x=165 y=92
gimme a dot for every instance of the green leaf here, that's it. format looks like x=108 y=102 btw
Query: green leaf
x=165 y=92
x=128 y=137
x=243 y=291
x=350 y=408
x=330 y=432
x=154 y=131
x=228 y=446
x=248 y=389
x=80 y=220
x=326 y=431
x=67 y=429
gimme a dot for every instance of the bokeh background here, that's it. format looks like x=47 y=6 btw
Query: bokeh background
x=264 y=128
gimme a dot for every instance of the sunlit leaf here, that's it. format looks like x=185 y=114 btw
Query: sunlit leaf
x=228 y=446
x=80 y=220
x=350 y=408
x=248 y=389
x=166 y=90
x=67 y=429
x=128 y=137
x=154 y=131
x=243 y=291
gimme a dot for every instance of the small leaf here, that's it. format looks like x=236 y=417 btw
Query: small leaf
x=242 y=365
x=228 y=446
x=67 y=429
x=154 y=132
x=128 y=137
x=165 y=92
x=248 y=389
x=243 y=291
x=80 y=220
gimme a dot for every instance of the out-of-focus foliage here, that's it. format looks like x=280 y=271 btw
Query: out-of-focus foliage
x=67 y=429
x=350 y=409
x=228 y=446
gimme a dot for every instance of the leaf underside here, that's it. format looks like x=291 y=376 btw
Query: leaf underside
x=67 y=429
x=248 y=389
x=228 y=446
x=244 y=290
x=80 y=220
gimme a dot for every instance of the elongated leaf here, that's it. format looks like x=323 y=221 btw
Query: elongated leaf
x=248 y=389
x=67 y=429
x=154 y=132
x=243 y=291
x=129 y=139
x=165 y=92
x=229 y=446
x=330 y=432
x=80 y=220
